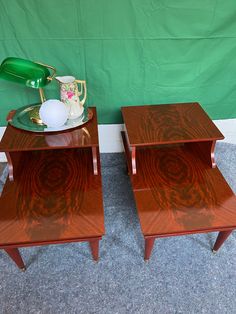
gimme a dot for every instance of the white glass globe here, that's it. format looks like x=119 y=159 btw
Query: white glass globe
x=53 y=113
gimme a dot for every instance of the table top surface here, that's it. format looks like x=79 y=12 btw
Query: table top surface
x=55 y=197
x=19 y=140
x=176 y=192
x=171 y=123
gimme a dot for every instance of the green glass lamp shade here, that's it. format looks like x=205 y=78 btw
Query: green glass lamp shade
x=26 y=72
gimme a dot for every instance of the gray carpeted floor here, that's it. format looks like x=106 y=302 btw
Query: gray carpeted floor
x=182 y=276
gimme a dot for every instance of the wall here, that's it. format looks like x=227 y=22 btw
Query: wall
x=129 y=51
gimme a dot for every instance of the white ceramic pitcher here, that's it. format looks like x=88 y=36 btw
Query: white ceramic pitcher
x=70 y=94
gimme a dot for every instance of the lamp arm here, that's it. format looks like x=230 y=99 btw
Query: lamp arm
x=42 y=96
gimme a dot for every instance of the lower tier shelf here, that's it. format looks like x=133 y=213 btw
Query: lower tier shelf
x=176 y=192
x=55 y=197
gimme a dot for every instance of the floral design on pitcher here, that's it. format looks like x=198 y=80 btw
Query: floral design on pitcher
x=70 y=95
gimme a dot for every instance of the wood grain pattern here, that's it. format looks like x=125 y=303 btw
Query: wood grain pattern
x=165 y=124
x=55 y=198
x=20 y=140
x=177 y=193
x=205 y=150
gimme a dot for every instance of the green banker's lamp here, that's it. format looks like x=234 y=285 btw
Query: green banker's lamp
x=31 y=74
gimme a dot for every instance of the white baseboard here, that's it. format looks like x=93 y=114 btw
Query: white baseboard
x=228 y=129
x=110 y=138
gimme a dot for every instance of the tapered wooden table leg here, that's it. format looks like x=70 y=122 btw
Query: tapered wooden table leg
x=222 y=236
x=94 y=245
x=16 y=257
x=149 y=242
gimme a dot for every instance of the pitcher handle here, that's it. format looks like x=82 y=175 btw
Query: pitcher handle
x=83 y=86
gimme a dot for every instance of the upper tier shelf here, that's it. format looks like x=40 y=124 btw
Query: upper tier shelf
x=20 y=140
x=166 y=124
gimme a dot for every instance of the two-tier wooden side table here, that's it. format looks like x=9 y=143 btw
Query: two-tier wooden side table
x=54 y=191
x=177 y=186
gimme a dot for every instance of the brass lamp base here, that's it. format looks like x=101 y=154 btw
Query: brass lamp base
x=34 y=116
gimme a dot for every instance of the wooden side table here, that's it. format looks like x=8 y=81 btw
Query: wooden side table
x=177 y=186
x=54 y=192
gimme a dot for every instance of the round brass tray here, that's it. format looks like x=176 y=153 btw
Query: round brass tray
x=22 y=120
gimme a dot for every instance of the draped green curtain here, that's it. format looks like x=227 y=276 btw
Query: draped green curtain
x=130 y=52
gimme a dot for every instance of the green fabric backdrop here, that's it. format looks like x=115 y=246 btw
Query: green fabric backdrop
x=130 y=52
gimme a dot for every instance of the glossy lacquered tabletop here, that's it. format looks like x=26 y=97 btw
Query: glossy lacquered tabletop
x=171 y=123
x=19 y=140
x=54 y=197
x=176 y=192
